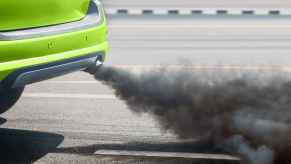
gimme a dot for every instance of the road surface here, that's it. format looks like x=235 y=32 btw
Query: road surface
x=68 y=119
x=198 y=3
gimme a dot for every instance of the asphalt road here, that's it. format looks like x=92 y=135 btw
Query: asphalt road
x=209 y=40
x=65 y=120
x=198 y=3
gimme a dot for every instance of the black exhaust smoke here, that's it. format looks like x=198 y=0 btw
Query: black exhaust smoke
x=248 y=115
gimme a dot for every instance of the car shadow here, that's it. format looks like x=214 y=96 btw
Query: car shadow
x=23 y=146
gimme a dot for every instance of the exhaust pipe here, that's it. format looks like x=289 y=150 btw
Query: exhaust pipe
x=98 y=64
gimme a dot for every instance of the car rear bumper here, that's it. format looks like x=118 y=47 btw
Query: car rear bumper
x=41 y=72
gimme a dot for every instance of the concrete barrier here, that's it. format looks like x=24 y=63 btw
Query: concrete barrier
x=201 y=11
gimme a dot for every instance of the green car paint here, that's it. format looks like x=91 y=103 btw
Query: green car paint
x=17 y=54
x=24 y=53
x=19 y=14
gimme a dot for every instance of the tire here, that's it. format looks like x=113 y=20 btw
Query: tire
x=8 y=97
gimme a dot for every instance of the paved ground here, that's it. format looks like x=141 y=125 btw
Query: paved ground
x=65 y=120
x=198 y=3
x=200 y=40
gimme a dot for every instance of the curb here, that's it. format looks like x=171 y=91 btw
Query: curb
x=202 y=11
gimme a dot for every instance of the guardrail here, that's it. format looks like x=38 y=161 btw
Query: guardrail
x=201 y=11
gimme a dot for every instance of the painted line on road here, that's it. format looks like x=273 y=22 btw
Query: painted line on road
x=70 y=96
x=166 y=155
x=201 y=11
x=71 y=82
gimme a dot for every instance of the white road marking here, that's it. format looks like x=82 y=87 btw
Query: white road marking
x=70 y=96
x=204 y=11
x=71 y=82
x=165 y=155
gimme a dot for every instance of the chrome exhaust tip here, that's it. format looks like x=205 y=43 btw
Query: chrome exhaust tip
x=98 y=64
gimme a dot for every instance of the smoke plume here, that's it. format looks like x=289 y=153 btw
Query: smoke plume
x=246 y=114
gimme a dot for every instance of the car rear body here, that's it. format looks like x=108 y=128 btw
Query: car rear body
x=48 y=38
x=20 y=14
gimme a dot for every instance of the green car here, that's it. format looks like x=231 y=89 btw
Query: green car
x=42 y=39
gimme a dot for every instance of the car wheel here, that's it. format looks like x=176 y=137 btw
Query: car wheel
x=8 y=97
